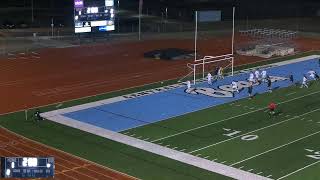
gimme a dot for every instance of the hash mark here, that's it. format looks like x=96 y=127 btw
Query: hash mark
x=269 y=175
x=198 y=155
x=259 y=173
x=250 y=170
x=241 y=167
x=206 y=157
x=215 y=159
x=182 y=150
x=287 y=115
x=146 y=139
x=126 y=133
x=223 y=162
x=132 y=135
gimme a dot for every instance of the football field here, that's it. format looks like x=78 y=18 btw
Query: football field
x=242 y=134
x=210 y=127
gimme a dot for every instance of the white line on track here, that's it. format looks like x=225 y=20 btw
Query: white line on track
x=281 y=122
x=233 y=117
x=276 y=148
x=299 y=170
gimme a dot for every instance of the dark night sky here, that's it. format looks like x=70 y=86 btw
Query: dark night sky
x=63 y=9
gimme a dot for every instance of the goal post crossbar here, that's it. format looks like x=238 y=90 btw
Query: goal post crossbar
x=213 y=59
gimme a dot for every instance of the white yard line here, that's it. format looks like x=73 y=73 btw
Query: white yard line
x=275 y=148
x=275 y=124
x=298 y=170
x=233 y=117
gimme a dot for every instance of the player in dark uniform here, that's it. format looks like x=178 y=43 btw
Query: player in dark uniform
x=291 y=78
x=37 y=115
x=250 y=89
x=269 y=84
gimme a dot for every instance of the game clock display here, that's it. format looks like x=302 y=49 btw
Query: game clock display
x=27 y=167
x=94 y=16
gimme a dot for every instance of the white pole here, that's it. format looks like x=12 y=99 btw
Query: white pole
x=195 y=37
x=194 y=74
x=26 y=114
x=232 y=66
x=233 y=15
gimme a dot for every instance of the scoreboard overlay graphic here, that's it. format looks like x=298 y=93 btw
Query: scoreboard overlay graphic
x=94 y=16
x=27 y=167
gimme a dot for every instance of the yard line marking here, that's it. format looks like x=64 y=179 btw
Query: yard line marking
x=281 y=122
x=223 y=162
x=276 y=148
x=233 y=117
x=299 y=170
x=309 y=150
x=291 y=93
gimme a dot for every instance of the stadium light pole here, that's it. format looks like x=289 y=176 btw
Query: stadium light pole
x=196 y=36
x=32 y=18
x=233 y=27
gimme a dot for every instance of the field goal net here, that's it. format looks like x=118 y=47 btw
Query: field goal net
x=199 y=69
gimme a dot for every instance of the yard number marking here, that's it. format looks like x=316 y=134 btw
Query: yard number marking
x=244 y=138
x=315 y=155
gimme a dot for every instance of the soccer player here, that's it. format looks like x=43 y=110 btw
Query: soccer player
x=264 y=75
x=235 y=86
x=304 y=82
x=269 y=84
x=250 y=89
x=291 y=78
x=220 y=73
x=188 y=84
x=209 y=79
x=272 y=107
x=257 y=75
x=312 y=74
x=251 y=77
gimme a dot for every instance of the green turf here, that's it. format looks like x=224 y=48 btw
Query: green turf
x=136 y=162
x=281 y=139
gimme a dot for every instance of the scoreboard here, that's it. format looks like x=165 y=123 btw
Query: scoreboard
x=27 y=167
x=94 y=16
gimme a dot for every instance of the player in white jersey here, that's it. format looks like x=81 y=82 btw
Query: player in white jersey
x=264 y=75
x=235 y=86
x=312 y=74
x=251 y=77
x=304 y=82
x=188 y=84
x=257 y=75
x=209 y=79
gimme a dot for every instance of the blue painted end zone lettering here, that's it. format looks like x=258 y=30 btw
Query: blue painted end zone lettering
x=159 y=104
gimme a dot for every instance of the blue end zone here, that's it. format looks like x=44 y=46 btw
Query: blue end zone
x=144 y=110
